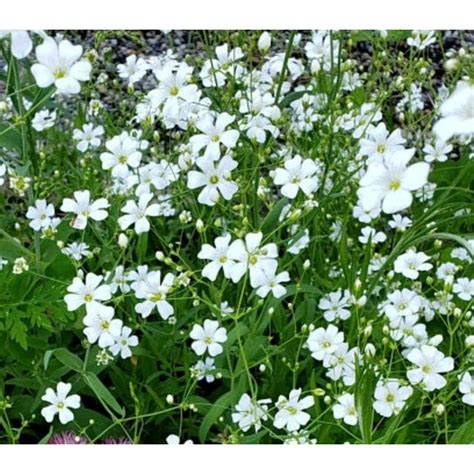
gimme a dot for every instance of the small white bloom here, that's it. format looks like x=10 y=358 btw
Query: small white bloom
x=101 y=326
x=208 y=337
x=214 y=178
x=84 y=209
x=297 y=174
x=89 y=293
x=137 y=214
x=291 y=414
x=390 y=397
x=430 y=363
x=59 y=64
x=466 y=387
x=154 y=292
x=88 y=136
x=43 y=120
x=249 y=413
x=122 y=343
x=323 y=342
x=411 y=263
x=345 y=409
x=60 y=403
x=40 y=214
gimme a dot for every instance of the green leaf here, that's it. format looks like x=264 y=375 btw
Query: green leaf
x=10 y=137
x=18 y=333
x=271 y=219
x=365 y=385
x=68 y=359
x=103 y=393
x=214 y=413
x=291 y=97
x=464 y=434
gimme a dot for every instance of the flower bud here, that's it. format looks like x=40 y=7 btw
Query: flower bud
x=200 y=226
x=264 y=42
x=122 y=241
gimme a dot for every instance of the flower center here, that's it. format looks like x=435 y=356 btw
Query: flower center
x=253 y=260
x=104 y=325
x=426 y=369
x=214 y=179
x=390 y=397
x=88 y=298
x=155 y=297
x=394 y=185
x=60 y=405
x=174 y=90
x=59 y=73
x=215 y=138
x=122 y=159
x=380 y=148
x=222 y=259
x=207 y=340
x=292 y=411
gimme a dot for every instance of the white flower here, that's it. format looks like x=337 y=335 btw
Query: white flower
x=154 y=292
x=296 y=246
x=264 y=42
x=21 y=44
x=174 y=440
x=218 y=256
x=60 y=403
x=20 y=265
x=291 y=414
x=464 y=288
x=430 y=363
x=399 y=222
x=268 y=280
x=43 y=119
x=88 y=293
x=411 y=263
x=205 y=369
x=40 y=214
x=446 y=270
x=213 y=135
x=369 y=233
x=77 y=250
x=88 y=136
x=214 y=72
x=122 y=343
x=390 y=397
x=137 y=214
x=380 y=144
x=323 y=342
x=133 y=70
x=119 y=280
x=297 y=174
x=249 y=413
x=421 y=39
x=101 y=327
x=208 y=337
x=466 y=387
x=84 y=209
x=335 y=305
x=123 y=153
x=59 y=64
x=3 y=170
x=391 y=182
x=345 y=409
x=457 y=113
x=215 y=178
x=438 y=152
x=252 y=256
